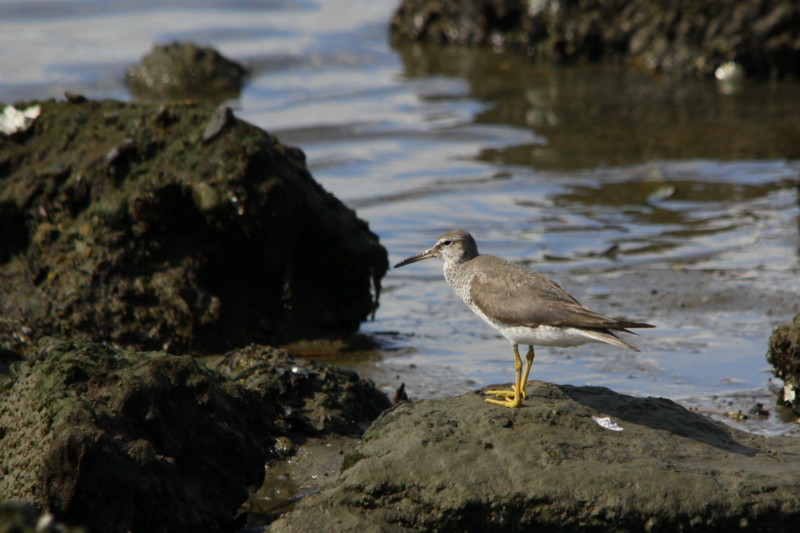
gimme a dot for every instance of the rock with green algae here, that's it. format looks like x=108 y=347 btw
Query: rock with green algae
x=784 y=356
x=132 y=224
x=116 y=440
x=316 y=399
x=323 y=410
x=458 y=464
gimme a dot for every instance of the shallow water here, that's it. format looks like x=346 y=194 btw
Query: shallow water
x=665 y=200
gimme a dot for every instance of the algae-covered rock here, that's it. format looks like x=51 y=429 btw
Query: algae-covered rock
x=156 y=227
x=322 y=412
x=117 y=440
x=316 y=399
x=458 y=464
x=128 y=441
x=784 y=356
x=185 y=70
x=760 y=37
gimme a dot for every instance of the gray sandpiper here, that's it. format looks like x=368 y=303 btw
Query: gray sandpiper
x=523 y=305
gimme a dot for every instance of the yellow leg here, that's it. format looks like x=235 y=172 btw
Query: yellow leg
x=529 y=363
x=513 y=397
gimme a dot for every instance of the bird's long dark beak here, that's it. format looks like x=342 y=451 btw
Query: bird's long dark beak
x=427 y=254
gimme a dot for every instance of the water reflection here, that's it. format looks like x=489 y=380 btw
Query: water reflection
x=605 y=115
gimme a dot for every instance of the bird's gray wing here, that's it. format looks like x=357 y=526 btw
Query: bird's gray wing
x=516 y=295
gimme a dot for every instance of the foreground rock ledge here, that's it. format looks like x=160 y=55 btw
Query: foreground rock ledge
x=117 y=440
x=457 y=464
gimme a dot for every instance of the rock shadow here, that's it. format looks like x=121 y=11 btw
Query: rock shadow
x=657 y=413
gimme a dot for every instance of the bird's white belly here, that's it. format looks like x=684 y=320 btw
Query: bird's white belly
x=544 y=335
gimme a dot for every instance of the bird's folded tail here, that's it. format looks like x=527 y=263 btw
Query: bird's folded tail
x=622 y=324
x=608 y=337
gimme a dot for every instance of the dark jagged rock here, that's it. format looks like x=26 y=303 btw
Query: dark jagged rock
x=129 y=441
x=684 y=37
x=323 y=411
x=123 y=225
x=317 y=399
x=185 y=70
x=784 y=356
x=456 y=464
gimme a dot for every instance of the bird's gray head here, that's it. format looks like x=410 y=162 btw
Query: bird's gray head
x=454 y=246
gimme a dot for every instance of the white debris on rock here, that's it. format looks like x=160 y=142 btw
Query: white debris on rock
x=13 y=120
x=607 y=423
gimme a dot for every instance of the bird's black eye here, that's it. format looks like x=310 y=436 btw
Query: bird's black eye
x=447 y=243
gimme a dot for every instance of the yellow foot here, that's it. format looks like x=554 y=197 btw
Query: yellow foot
x=514 y=401
x=506 y=398
x=506 y=393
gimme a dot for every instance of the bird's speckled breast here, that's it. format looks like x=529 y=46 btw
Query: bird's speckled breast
x=459 y=276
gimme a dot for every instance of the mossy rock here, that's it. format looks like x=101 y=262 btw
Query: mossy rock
x=173 y=227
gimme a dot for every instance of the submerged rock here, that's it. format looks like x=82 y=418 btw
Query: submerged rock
x=185 y=70
x=131 y=223
x=129 y=441
x=457 y=464
x=761 y=37
x=784 y=356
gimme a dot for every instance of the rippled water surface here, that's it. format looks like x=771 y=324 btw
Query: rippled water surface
x=666 y=200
